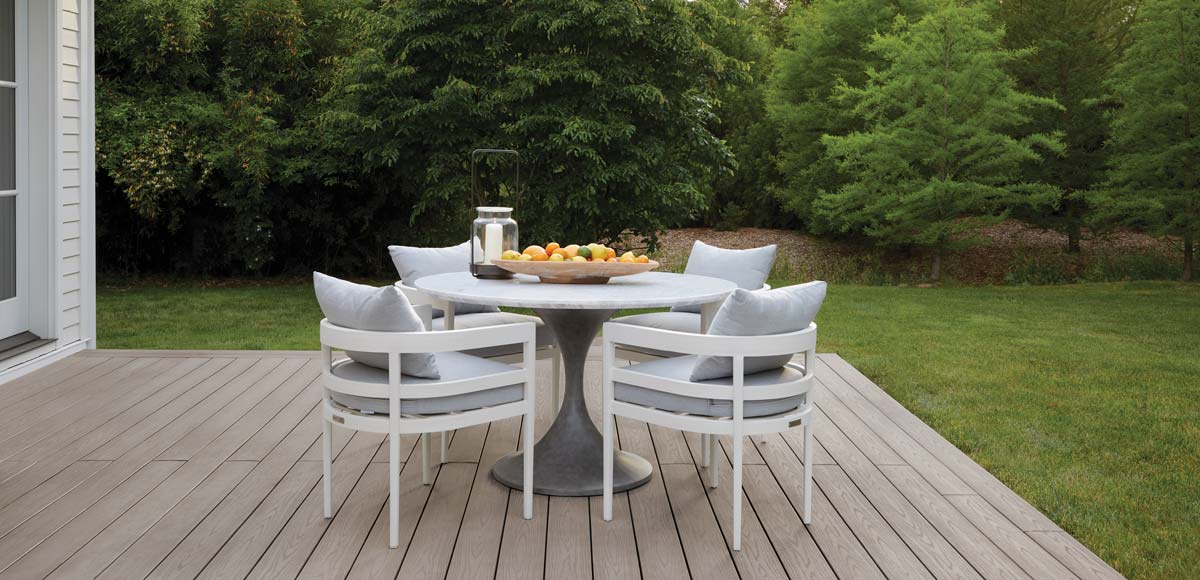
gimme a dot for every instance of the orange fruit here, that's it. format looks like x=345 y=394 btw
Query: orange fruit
x=551 y=247
x=612 y=253
x=610 y=260
x=540 y=256
x=560 y=252
x=643 y=259
x=531 y=250
x=572 y=250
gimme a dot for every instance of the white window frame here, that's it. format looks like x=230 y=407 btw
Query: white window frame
x=18 y=306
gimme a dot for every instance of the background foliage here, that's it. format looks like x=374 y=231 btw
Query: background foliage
x=276 y=136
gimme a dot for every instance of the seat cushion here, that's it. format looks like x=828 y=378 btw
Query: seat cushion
x=676 y=321
x=386 y=309
x=453 y=365
x=679 y=368
x=545 y=337
x=746 y=313
x=414 y=263
x=746 y=268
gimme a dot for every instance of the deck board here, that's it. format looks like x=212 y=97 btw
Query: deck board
x=205 y=464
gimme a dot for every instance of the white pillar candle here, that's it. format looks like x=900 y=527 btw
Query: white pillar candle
x=493 y=242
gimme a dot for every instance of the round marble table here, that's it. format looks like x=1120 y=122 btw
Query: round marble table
x=568 y=458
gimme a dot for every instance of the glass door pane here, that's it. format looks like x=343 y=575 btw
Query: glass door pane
x=8 y=41
x=8 y=139
x=8 y=248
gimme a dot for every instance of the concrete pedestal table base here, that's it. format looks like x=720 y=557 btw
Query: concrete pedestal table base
x=568 y=460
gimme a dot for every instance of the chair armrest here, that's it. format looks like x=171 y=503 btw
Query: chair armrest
x=425 y=341
x=709 y=344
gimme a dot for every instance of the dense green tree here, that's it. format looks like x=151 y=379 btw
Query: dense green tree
x=826 y=45
x=610 y=104
x=742 y=31
x=1154 y=181
x=940 y=153
x=200 y=106
x=1076 y=44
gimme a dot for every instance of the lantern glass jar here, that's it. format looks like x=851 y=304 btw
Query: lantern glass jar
x=493 y=232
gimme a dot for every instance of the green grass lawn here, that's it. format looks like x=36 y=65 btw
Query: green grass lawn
x=1085 y=399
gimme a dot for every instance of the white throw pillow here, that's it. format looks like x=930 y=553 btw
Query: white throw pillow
x=414 y=263
x=746 y=313
x=746 y=268
x=386 y=309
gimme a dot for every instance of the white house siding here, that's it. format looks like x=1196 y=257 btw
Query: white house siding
x=71 y=216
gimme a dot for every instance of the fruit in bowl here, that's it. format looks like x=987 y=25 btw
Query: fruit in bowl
x=593 y=263
x=555 y=252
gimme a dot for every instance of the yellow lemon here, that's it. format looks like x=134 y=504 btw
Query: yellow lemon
x=556 y=257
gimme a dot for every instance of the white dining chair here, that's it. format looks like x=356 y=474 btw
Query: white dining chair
x=747 y=268
x=470 y=391
x=662 y=392
x=414 y=262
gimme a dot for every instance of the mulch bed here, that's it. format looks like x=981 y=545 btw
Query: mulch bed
x=803 y=256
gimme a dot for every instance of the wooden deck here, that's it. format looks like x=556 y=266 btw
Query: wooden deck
x=178 y=465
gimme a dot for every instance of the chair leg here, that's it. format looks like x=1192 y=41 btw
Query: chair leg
x=426 y=469
x=808 y=445
x=704 y=443
x=737 y=493
x=445 y=443
x=713 y=446
x=527 y=448
x=394 y=489
x=608 y=462
x=327 y=461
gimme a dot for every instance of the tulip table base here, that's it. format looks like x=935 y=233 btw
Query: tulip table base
x=569 y=458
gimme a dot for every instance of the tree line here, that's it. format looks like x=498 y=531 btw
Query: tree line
x=270 y=136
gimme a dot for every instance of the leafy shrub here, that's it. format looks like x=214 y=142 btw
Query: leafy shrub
x=1107 y=267
x=1042 y=269
x=1118 y=267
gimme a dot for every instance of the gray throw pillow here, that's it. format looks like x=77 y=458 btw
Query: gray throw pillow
x=746 y=268
x=747 y=313
x=386 y=309
x=413 y=263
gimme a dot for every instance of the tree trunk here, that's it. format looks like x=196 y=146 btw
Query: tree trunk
x=1188 y=251
x=1073 y=235
x=936 y=272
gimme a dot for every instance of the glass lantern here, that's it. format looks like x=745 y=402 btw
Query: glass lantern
x=492 y=233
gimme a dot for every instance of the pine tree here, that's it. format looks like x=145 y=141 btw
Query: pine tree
x=1154 y=181
x=940 y=154
x=826 y=43
x=1077 y=43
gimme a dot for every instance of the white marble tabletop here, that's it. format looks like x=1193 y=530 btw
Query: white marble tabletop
x=648 y=290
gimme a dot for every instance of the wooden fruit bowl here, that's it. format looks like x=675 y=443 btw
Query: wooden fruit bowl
x=576 y=272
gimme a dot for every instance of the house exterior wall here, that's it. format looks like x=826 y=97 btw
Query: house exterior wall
x=64 y=281
x=70 y=210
